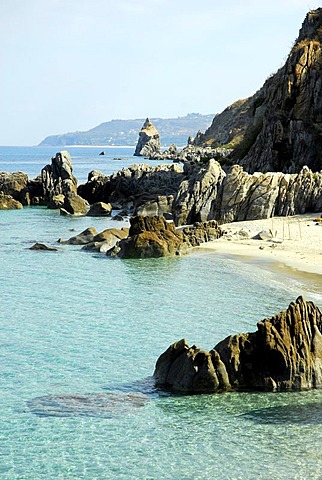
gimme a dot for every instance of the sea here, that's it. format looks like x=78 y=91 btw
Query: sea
x=80 y=334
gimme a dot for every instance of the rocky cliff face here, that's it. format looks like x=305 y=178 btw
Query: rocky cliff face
x=280 y=127
x=203 y=192
x=285 y=353
x=149 y=141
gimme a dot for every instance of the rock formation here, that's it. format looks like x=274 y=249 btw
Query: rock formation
x=155 y=237
x=203 y=191
x=285 y=353
x=279 y=128
x=57 y=179
x=9 y=203
x=131 y=186
x=15 y=185
x=149 y=141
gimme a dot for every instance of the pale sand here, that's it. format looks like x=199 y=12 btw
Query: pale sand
x=296 y=242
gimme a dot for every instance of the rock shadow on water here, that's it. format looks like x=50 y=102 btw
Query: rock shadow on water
x=102 y=405
x=305 y=414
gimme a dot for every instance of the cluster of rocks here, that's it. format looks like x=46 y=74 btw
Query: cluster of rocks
x=285 y=353
x=200 y=192
x=147 y=237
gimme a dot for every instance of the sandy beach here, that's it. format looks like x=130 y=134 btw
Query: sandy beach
x=293 y=241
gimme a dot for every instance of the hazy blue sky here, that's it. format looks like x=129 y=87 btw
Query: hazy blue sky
x=69 y=65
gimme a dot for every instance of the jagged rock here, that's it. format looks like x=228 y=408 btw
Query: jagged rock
x=151 y=237
x=201 y=232
x=149 y=141
x=15 y=185
x=139 y=182
x=196 y=199
x=155 y=237
x=57 y=179
x=279 y=128
x=100 y=209
x=42 y=246
x=74 y=205
x=9 y=203
x=285 y=353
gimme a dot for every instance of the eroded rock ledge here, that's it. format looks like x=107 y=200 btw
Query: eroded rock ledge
x=285 y=353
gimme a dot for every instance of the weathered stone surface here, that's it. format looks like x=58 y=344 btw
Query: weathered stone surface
x=149 y=141
x=151 y=237
x=196 y=198
x=135 y=184
x=74 y=204
x=285 y=353
x=58 y=178
x=16 y=185
x=100 y=209
x=107 y=239
x=155 y=237
x=9 y=203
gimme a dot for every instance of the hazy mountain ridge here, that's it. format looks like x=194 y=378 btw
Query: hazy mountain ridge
x=126 y=132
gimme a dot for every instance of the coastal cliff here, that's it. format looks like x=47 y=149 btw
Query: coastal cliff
x=280 y=127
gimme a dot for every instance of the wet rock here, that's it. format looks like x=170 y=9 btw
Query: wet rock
x=42 y=246
x=100 y=209
x=74 y=204
x=86 y=236
x=285 y=353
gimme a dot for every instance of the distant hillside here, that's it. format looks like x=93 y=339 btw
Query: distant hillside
x=126 y=132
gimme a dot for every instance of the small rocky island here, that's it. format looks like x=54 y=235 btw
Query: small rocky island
x=285 y=353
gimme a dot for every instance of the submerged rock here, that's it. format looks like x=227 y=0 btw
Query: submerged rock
x=285 y=353
x=43 y=246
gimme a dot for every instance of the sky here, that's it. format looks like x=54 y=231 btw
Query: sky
x=69 y=65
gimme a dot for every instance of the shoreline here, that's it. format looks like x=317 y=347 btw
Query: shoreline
x=296 y=242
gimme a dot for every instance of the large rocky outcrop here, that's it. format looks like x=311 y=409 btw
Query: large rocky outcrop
x=285 y=353
x=203 y=191
x=280 y=127
x=132 y=186
x=149 y=141
x=57 y=180
x=210 y=193
x=155 y=237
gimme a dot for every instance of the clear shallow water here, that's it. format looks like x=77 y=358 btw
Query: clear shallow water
x=79 y=337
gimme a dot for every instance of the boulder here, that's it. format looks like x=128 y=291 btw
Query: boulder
x=151 y=237
x=15 y=185
x=100 y=209
x=285 y=353
x=9 y=203
x=149 y=141
x=86 y=236
x=74 y=205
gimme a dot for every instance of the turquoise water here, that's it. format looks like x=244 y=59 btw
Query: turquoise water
x=79 y=337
